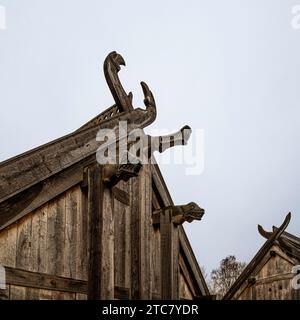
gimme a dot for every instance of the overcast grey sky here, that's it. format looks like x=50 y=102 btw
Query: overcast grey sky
x=228 y=67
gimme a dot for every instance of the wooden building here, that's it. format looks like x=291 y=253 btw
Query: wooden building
x=71 y=228
x=269 y=275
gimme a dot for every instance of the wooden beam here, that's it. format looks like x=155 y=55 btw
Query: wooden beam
x=100 y=284
x=24 y=278
x=187 y=275
x=27 y=201
x=49 y=159
x=276 y=277
x=95 y=191
x=141 y=211
x=135 y=239
x=187 y=252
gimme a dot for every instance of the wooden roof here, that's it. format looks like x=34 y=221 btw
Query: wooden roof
x=290 y=244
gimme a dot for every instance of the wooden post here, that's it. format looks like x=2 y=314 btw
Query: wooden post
x=101 y=180
x=101 y=244
x=169 y=257
x=95 y=194
x=141 y=209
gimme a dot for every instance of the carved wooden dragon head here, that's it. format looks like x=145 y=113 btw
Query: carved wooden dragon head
x=188 y=212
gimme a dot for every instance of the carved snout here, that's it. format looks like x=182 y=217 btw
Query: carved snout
x=179 y=138
x=179 y=214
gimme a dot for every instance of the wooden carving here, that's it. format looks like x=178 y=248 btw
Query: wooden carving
x=180 y=214
x=276 y=233
x=113 y=173
x=148 y=144
x=112 y=65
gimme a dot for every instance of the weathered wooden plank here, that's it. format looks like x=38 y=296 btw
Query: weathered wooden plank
x=70 y=241
x=186 y=274
x=135 y=239
x=55 y=236
x=8 y=247
x=82 y=236
x=24 y=244
x=39 y=240
x=120 y=242
x=21 y=280
x=175 y=262
x=32 y=167
x=4 y=293
x=145 y=205
x=24 y=278
x=107 y=242
x=95 y=206
x=141 y=212
x=14 y=206
x=121 y=293
x=127 y=240
x=80 y=296
x=275 y=277
x=38 y=195
x=65 y=296
x=32 y=294
x=169 y=257
x=17 y=293
x=184 y=291
x=186 y=250
x=155 y=261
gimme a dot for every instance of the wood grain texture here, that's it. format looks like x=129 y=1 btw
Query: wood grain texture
x=169 y=257
x=56 y=236
x=70 y=239
x=107 y=242
x=24 y=278
x=135 y=239
x=272 y=278
x=8 y=246
x=145 y=208
x=95 y=207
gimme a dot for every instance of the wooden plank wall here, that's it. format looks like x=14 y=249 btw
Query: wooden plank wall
x=53 y=240
x=50 y=240
x=273 y=280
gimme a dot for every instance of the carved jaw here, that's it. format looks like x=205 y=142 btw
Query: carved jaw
x=179 y=214
x=194 y=212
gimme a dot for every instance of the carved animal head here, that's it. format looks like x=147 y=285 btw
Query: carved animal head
x=192 y=212
x=116 y=60
x=112 y=173
x=128 y=170
x=189 y=213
